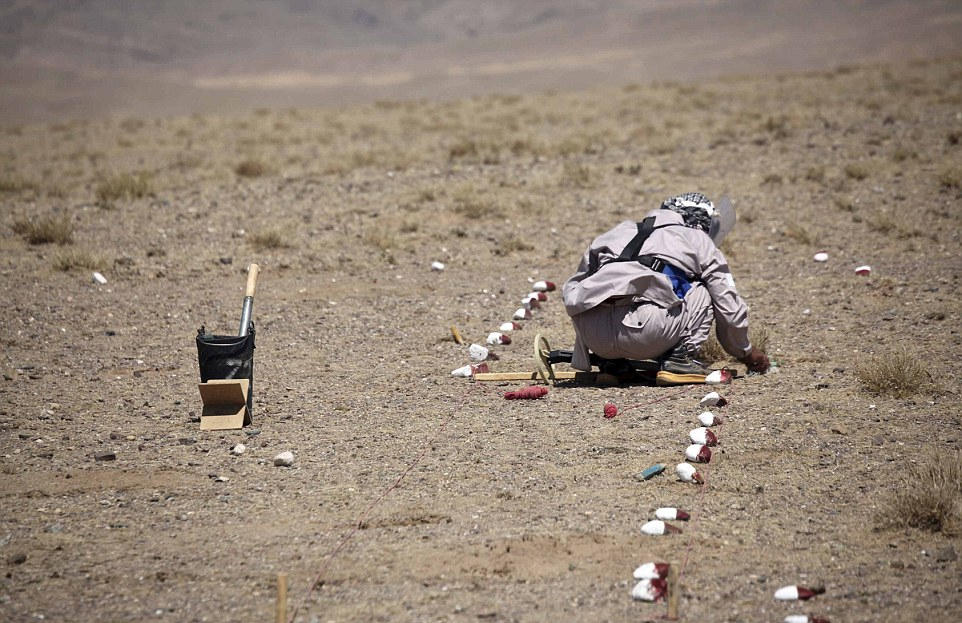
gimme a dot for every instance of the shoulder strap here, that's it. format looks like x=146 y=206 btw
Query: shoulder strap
x=631 y=249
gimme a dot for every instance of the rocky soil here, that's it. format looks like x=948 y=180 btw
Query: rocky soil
x=417 y=496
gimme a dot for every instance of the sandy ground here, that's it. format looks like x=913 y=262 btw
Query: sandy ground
x=505 y=510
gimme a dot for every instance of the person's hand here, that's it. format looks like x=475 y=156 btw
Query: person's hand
x=756 y=361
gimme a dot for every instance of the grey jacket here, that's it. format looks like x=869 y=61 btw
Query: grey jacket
x=691 y=250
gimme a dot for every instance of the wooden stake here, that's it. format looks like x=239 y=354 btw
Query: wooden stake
x=281 y=613
x=674 y=590
x=456 y=335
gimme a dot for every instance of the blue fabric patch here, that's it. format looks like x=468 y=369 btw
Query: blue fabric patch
x=679 y=281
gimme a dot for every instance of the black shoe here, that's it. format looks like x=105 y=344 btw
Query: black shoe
x=679 y=361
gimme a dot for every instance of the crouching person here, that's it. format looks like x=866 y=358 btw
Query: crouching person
x=651 y=290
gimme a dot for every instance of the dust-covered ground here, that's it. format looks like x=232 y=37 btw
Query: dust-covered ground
x=505 y=510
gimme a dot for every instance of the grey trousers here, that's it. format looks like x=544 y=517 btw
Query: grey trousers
x=645 y=331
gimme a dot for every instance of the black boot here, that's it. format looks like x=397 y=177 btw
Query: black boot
x=680 y=361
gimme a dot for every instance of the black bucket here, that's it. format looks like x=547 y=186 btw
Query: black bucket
x=228 y=357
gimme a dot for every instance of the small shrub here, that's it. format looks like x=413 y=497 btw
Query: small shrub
x=268 y=239
x=758 y=335
x=577 y=175
x=951 y=178
x=800 y=234
x=123 y=186
x=15 y=184
x=46 y=230
x=815 y=174
x=896 y=374
x=772 y=178
x=471 y=203
x=511 y=244
x=929 y=495
x=251 y=168
x=902 y=153
x=77 y=259
x=856 y=171
x=711 y=351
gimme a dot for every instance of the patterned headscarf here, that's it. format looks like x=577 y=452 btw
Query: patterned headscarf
x=695 y=209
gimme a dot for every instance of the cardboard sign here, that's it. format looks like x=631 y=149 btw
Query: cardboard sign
x=225 y=404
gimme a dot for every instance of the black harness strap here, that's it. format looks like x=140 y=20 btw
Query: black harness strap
x=630 y=252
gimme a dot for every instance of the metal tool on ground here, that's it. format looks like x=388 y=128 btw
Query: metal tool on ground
x=610 y=371
x=226 y=365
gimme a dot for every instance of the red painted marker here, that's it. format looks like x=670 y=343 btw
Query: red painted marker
x=543 y=286
x=650 y=590
x=610 y=410
x=651 y=571
x=527 y=393
x=697 y=453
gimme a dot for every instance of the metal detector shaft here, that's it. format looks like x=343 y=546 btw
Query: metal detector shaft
x=248 y=309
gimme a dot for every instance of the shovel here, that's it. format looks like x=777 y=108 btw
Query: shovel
x=226 y=365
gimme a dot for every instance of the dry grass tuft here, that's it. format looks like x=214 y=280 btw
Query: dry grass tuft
x=577 y=175
x=46 y=230
x=78 y=259
x=123 y=186
x=800 y=234
x=251 y=168
x=857 y=171
x=268 y=239
x=759 y=336
x=897 y=374
x=929 y=497
x=951 y=178
x=511 y=244
x=15 y=184
x=711 y=351
x=472 y=203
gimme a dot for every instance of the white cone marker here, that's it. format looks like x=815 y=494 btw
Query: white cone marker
x=688 y=473
x=707 y=418
x=669 y=513
x=649 y=590
x=543 y=286
x=703 y=436
x=698 y=453
x=712 y=399
x=651 y=571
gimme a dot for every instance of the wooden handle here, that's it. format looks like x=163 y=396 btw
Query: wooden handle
x=280 y=612
x=252 y=271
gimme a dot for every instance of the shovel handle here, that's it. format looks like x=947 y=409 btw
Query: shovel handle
x=252 y=271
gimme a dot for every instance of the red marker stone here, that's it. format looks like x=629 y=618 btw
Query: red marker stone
x=698 y=453
x=793 y=593
x=610 y=410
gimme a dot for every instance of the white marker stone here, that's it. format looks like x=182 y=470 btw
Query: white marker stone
x=284 y=459
x=651 y=571
x=688 y=473
x=863 y=271
x=438 y=266
x=649 y=590
x=821 y=256
x=654 y=527
x=670 y=513
x=698 y=453
x=718 y=377
x=509 y=326
x=707 y=418
x=98 y=278
x=711 y=399
x=477 y=352
x=522 y=314
x=703 y=436
x=238 y=450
